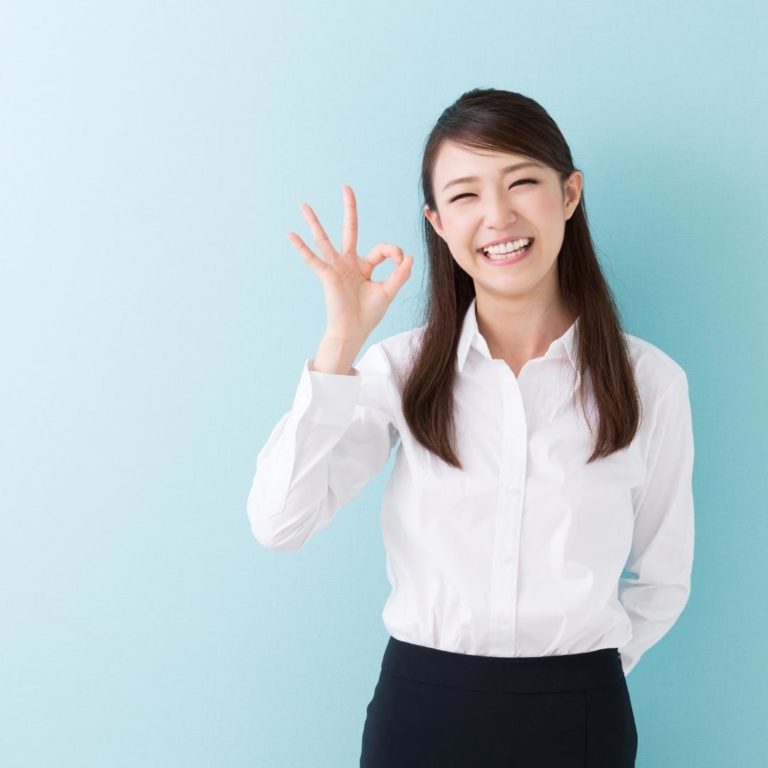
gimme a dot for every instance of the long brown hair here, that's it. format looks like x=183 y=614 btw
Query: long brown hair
x=505 y=121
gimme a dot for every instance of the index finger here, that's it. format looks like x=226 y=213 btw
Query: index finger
x=349 y=236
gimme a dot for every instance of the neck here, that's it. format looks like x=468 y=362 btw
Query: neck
x=518 y=333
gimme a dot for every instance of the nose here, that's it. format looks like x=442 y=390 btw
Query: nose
x=499 y=211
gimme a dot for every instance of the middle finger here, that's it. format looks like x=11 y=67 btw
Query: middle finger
x=349 y=244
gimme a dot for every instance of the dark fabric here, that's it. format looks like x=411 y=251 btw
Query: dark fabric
x=455 y=710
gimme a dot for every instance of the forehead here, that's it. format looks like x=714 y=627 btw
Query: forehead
x=456 y=160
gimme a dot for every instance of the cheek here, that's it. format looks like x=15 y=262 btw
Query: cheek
x=451 y=220
x=548 y=207
x=535 y=208
x=455 y=226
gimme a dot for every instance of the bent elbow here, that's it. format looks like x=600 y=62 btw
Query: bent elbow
x=267 y=530
x=269 y=540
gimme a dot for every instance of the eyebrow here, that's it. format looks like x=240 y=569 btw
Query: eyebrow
x=501 y=173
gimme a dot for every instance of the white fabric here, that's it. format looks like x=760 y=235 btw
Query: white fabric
x=523 y=552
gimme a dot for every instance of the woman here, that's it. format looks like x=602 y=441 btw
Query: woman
x=538 y=522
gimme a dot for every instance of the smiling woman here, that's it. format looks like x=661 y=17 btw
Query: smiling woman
x=511 y=515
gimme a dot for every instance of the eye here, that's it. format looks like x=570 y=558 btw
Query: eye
x=470 y=194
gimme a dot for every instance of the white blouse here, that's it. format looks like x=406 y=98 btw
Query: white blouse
x=528 y=551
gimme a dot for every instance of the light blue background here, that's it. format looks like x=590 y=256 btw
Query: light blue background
x=154 y=319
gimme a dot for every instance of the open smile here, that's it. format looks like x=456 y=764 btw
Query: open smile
x=499 y=260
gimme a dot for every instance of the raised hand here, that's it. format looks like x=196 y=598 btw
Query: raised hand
x=355 y=304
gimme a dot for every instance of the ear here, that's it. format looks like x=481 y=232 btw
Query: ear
x=572 y=193
x=434 y=219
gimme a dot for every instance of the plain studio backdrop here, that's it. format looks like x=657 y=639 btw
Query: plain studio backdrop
x=154 y=320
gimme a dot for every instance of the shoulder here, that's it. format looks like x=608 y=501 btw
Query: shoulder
x=402 y=344
x=394 y=353
x=656 y=371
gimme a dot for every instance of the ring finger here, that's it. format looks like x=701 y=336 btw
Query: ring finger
x=321 y=238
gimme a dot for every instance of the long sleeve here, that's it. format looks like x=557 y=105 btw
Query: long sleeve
x=336 y=437
x=661 y=556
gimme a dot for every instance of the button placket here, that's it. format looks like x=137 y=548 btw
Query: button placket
x=504 y=587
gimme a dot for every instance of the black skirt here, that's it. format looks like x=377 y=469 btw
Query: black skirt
x=456 y=710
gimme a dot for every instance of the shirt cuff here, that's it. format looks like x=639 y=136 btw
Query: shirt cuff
x=326 y=398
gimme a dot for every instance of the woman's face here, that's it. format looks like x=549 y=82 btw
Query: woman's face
x=528 y=202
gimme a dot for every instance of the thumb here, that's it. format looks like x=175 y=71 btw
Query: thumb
x=395 y=281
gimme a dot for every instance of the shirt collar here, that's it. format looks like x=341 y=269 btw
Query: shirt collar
x=470 y=336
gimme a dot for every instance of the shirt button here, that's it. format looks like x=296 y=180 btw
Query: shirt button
x=504 y=619
x=512 y=489
x=509 y=557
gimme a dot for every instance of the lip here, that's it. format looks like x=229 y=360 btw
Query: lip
x=510 y=260
x=504 y=240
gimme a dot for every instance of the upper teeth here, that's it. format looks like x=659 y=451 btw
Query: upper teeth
x=507 y=247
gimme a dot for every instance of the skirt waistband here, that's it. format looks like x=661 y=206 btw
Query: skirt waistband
x=503 y=674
